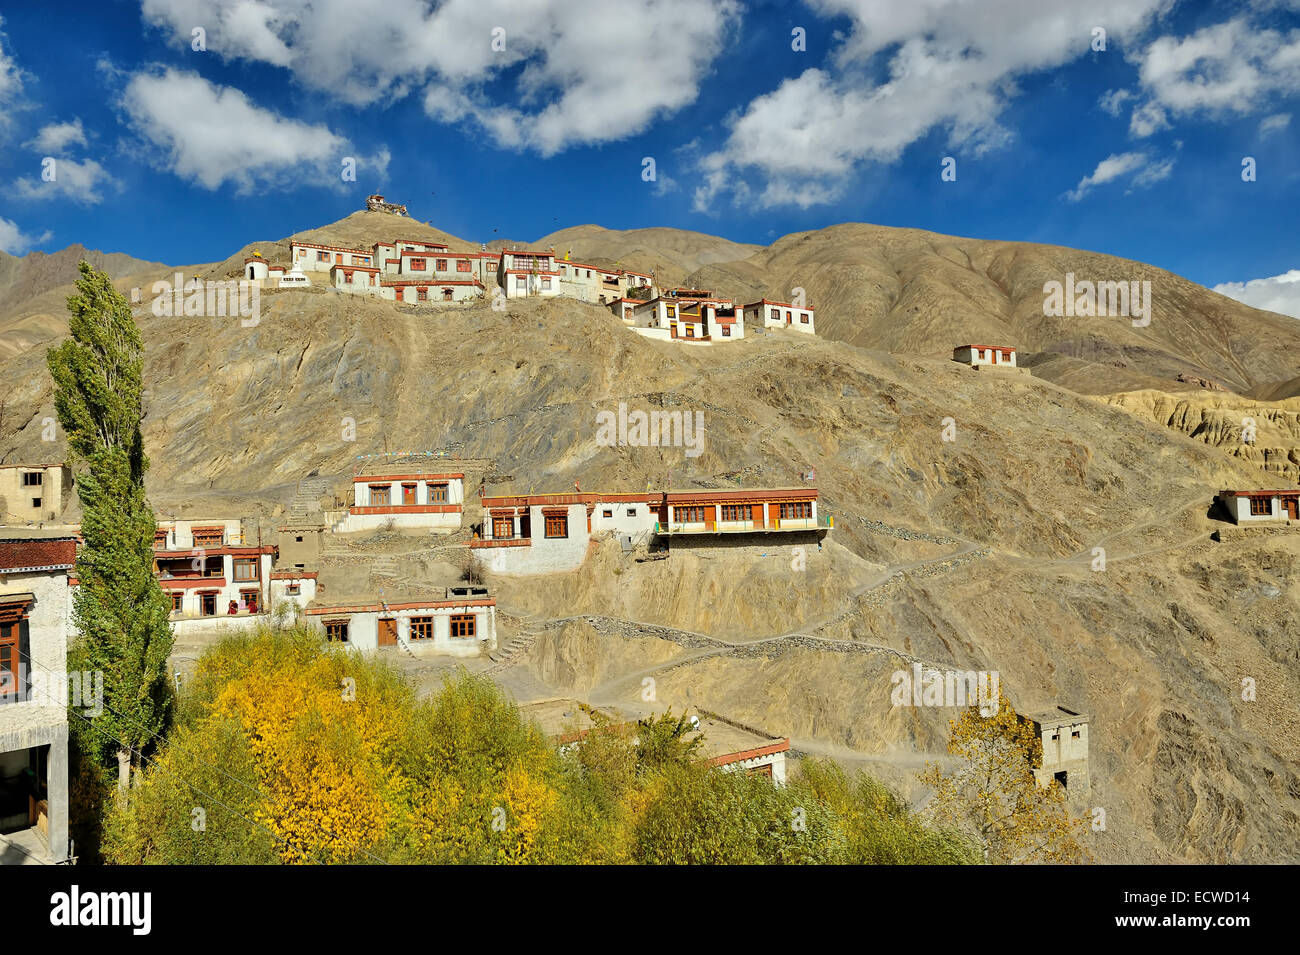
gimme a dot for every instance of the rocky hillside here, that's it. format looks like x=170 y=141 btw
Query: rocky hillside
x=975 y=553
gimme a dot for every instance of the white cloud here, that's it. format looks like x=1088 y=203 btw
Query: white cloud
x=56 y=137
x=78 y=181
x=1112 y=101
x=11 y=80
x=13 y=241
x=1117 y=166
x=1271 y=124
x=946 y=64
x=1280 y=293
x=1227 y=68
x=1146 y=120
x=215 y=134
x=575 y=71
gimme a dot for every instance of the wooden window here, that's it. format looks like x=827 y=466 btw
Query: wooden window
x=437 y=494
x=160 y=537
x=322 y=256
x=10 y=670
x=546 y=281
x=177 y=602
x=462 y=625
x=380 y=495
x=693 y=514
x=776 y=314
x=726 y=331
x=557 y=525
x=422 y=295
x=408 y=494
x=796 y=510
x=208 y=605
x=521 y=281
x=209 y=536
x=503 y=527
x=32 y=478
x=246 y=568
x=292 y=588
x=607 y=513
x=1261 y=506
x=803 y=318
x=336 y=630
x=398 y=295
x=631 y=512
x=249 y=599
x=690 y=331
x=440 y=265
x=491 y=266
x=463 y=265
x=448 y=295
x=418 y=265
x=421 y=628
x=734 y=512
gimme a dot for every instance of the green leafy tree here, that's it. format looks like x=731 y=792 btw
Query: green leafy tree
x=119 y=610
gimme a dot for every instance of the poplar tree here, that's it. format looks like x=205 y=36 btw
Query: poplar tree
x=119 y=610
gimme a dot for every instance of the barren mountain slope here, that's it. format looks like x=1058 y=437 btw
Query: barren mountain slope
x=671 y=254
x=975 y=553
x=917 y=292
x=34 y=289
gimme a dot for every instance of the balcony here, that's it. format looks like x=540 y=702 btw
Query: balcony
x=746 y=527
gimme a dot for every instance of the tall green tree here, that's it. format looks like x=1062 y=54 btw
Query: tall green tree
x=120 y=611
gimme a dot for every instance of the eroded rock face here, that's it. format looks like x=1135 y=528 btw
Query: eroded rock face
x=1263 y=434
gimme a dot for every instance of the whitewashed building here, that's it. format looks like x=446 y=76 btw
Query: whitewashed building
x=527 y=534
x=212 y=576
x=1255 y=507
x=311 y=257
x=35 y=624
x=522 y=274
x=768 y=314
x=985 y=355
x=686 y=315
x=408 y=501
x=460 y=625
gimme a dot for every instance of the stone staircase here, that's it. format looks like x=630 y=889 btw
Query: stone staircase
x=516 y=648
x=304 y=507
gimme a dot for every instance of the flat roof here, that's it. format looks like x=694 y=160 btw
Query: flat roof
x=440 y=603
x=1287 y=491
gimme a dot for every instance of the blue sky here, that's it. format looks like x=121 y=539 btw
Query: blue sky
x=510 y=119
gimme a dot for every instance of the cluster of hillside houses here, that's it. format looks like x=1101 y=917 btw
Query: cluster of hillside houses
x=417 y=272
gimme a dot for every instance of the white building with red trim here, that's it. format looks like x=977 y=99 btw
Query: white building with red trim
x=980 y=356
x=694 y=316
x=313 y=257
x=35 y=625
x=212 y=576
x=766 y=313
x=421 y=291
x=408 y=501
x=460 y=625
x=525 y=534
x=522 y=274
x=1261 y=507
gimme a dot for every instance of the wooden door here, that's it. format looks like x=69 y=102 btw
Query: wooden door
x=387 y=632
x=1292 y=506
x=757 y=513
x=408 y=494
